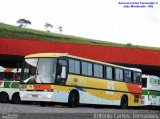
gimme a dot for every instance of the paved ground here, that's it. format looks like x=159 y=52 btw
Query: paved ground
x=24 y=111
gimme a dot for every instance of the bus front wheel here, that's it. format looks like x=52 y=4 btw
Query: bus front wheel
x=124 y=102
x=73 y=100
x=42 y=104
x=4 y=98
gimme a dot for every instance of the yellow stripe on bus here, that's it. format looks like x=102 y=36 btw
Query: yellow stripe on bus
x=29 y=87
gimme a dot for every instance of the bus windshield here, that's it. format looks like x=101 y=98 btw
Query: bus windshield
x=39 y=70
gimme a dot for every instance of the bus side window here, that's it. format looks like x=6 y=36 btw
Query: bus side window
x=8 y=76
x=137 y=77
x=109 y=72
x=87 y=68
x=98 y=71
x=17 y=77
x=74 y=66
x=127 y=76
x=118 y=74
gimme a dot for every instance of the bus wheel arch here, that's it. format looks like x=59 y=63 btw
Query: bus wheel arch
x=4 y=97
x=73 y=99
x=16 y=98
x=124 y=102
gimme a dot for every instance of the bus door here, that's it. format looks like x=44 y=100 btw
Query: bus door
x=61 y=74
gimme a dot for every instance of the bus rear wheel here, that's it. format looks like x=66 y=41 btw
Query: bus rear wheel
x=16 y=99
x=42 y=104
x=4 y=98
x=73 y=100
x=124 y=103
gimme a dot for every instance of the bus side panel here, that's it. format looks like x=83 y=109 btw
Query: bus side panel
x=61 y=93
x=10 y=87
x=108 y=92
x=151 y=97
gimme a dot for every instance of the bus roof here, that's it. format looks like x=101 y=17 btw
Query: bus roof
x=43 y=55
x=150 y=76
x=46 y=55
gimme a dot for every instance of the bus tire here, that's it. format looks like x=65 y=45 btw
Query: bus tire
x=42 y=104
x=16 y=98
x=154 y=107
x=124 y=102
x=4 y=98
x=73 y=100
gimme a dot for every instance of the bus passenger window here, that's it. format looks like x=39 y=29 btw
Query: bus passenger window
x=127 y=76
x=89 y=69
x=71 y=66
x=98 y=71
x=77 y=67
x=109 y=72
x=86 y=69
x=74 y=66
x=118 y=74
x=137 y=77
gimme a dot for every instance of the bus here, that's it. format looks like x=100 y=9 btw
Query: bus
x=64 y=78
x=9 y=85
x=150 y=91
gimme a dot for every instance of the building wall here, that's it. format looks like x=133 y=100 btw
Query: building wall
x=102 y=53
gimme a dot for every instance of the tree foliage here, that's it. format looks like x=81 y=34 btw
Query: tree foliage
x=129 y=44
x=23 y=23
x=60 y=29
x=48 y=26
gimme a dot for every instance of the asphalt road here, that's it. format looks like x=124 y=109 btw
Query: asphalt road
x=24 y=111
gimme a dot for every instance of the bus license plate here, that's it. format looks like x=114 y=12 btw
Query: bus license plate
x=35 y=96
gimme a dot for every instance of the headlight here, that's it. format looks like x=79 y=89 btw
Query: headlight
x=21 y=95
x=49 y=95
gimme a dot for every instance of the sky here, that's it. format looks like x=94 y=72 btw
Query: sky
x=105 y=20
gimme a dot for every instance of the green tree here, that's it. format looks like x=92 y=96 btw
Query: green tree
x=23 y=23
x=129 y=44
x=48 y=26
x=60 y=29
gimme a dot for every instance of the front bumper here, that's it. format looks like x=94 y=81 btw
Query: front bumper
x=37 y=96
